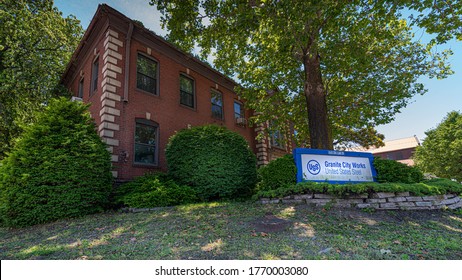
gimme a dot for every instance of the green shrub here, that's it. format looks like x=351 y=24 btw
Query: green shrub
x=390 y=171
x=441 y=151
x=214 y=161
x=278 y=173
x=154 y=190
x=428 y=187
x=58 y=168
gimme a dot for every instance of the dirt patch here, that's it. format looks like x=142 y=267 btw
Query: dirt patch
x=270 y=223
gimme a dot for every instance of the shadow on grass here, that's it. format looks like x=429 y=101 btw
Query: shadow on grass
x=229 y=231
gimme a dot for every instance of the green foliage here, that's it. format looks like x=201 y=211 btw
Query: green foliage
x=429 y=187
x=444 y=19
x=278 y=173
x=154 y=190
x=441 y=151
x=58 y=168
x=390 y=171
x=36 y=43
x=354 y=63
x=216 y=162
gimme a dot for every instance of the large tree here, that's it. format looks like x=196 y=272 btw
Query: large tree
x=441 y=151
x=335 y=69
x=36 y=43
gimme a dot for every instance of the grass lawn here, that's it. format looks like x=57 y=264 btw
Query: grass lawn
x=235 y=231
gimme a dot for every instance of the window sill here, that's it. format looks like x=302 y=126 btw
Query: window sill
x=279 y=148
x=188 y=107
x=146 y=92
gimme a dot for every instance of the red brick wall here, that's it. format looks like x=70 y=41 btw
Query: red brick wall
x=397 y=155
x=85 y=71
x=164 y=109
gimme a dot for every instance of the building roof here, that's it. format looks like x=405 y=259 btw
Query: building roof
x=396 y=145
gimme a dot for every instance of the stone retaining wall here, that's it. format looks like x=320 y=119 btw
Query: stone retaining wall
x=379 y=201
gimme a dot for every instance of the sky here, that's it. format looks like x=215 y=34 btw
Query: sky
x=423 y=113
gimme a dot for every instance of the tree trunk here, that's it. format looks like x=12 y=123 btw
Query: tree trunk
x=315 y=95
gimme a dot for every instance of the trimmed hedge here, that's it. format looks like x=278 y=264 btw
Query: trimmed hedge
x=216 y=162
x=390 y=171
x=428 y=187
x=154 y=190
x=59 y=168
x=278 y=173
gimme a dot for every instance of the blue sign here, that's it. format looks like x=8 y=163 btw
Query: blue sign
x=334 y=166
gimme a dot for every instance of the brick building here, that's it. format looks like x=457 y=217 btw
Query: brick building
x=142 y=89
x=401 y=150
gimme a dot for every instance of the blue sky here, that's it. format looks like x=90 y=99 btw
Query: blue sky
x=423 y=113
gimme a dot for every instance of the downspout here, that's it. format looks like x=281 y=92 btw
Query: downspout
x=124 y=153
x=128 y=41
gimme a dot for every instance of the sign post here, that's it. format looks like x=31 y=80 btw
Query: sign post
x=338 y=167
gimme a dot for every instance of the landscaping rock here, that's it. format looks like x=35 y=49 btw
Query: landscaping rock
x=365 y=195
x=389 y=206
x=423 y=203
x=376 y=200
x=382 y=195
x=388 y=201
x=342 y=204
x=303 y=196
x=406 y=204
x=396 y=199
x=269 y=201
x=414 y=198
x=433 y=197
x=363 y=205
x=321 y=195
x=321 y=200
x=450 y=201
x=354 y=200
x=455 y=206
x=289 y=201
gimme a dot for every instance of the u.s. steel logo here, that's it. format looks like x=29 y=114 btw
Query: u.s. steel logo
x=313 y=167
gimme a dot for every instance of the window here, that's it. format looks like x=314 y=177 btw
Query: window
x=186 y=91
x=146 y=147
x=80 y=93
x=239 y=114
x=217 y=105
x=277 y=138
x=94 y=76
x=238 y=110
x=146 y=74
